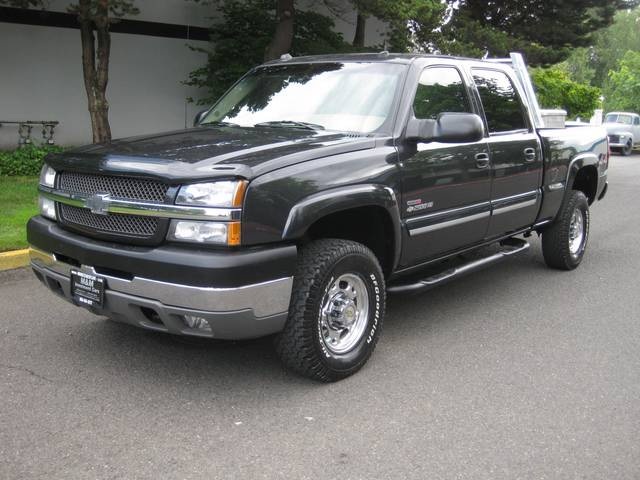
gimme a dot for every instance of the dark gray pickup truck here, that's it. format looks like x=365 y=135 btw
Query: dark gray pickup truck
x=312 y=188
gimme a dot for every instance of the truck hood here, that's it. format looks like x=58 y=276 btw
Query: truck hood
x=209 y=152
x=617 y=128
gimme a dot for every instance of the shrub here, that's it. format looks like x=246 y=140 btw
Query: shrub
x=25 y=161
x=556 y=89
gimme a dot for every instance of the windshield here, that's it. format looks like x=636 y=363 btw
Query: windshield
x=356 y=97
x=616 y=118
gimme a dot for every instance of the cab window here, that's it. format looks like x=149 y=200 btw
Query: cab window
x=440 y=89
x=502 y=105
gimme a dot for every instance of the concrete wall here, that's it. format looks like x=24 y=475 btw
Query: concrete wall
x=41 y=73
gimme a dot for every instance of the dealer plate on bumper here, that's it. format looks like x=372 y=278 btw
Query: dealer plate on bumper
x=87 y=289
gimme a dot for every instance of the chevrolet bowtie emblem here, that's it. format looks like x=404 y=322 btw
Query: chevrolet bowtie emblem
x=99 y=203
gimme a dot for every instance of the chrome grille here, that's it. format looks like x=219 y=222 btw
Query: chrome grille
x=113 y=223
x=614 y=139
x=117 y=187
x=124 y=188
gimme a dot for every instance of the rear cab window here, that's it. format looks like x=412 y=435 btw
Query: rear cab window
x=503 y=107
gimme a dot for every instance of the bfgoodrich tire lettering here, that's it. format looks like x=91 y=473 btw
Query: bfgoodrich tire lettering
x=559 y=246
x=305 y=344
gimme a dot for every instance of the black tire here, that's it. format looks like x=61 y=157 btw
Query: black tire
x=556 y=239
x=628 y=149
x=303 y=344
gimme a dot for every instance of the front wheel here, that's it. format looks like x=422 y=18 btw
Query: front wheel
x=336 y=312
x=565 y=241
x=628 y=149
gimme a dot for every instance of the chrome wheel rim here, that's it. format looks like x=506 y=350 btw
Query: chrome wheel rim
x=344 y=313
x=576 y=231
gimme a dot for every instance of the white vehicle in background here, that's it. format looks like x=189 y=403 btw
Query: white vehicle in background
x=623 y=129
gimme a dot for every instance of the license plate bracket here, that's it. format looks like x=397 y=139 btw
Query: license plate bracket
x=87 y=289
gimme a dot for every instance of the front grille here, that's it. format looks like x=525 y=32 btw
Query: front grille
x=129 y=228
x=133 y=225
x=614 y=138
x=117 y=187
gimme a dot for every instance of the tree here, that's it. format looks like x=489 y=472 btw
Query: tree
x=283 y=35
x=555 y=89
x=406 y=20
x=622 y=89
x=593 y=64
x=245 y=31
x=94 y=19
x=545 y=30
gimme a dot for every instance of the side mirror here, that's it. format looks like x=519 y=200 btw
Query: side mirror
x=449 y=127
x=199 y=117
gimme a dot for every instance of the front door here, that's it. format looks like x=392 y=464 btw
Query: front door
x=446 y=187
x=516 y=154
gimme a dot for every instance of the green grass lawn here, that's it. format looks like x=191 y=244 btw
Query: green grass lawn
x=18 y=202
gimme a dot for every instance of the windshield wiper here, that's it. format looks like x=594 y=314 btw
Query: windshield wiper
x=218 y=123
x=290 y=123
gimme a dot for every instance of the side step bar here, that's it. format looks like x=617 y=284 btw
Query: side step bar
x=509 y=247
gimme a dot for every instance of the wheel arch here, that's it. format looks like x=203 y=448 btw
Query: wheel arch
x=365 y=213
x=583 y=176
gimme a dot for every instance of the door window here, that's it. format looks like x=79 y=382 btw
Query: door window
x=636 y=121
x=502 y=105
x=440 y=89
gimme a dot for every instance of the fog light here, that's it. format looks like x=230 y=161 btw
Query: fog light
x=47 y=208
x=197 y=323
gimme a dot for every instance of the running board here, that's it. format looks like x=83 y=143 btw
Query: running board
x=509 y=247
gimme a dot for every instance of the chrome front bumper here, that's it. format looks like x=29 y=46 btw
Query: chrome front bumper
x=248 y=311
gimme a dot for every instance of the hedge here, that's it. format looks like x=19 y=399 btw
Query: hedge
x=25 y=161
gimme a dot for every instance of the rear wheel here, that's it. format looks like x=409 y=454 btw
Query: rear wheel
x=565 y=241
x=336 y=312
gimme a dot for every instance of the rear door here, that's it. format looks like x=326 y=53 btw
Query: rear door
x=516 y=153
x=446 y=187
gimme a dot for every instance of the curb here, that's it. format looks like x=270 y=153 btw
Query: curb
x=14 y=259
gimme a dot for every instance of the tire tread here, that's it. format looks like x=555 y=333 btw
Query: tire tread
x=295 y=344
x=555 y=247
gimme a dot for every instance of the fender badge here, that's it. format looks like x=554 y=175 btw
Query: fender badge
x=417 y=205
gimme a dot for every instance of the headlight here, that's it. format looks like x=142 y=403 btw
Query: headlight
x=47 y=208
x=214 y=233
x=214 y=194
x=47 y=176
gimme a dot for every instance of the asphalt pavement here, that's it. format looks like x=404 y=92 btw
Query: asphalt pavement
x=515 y=372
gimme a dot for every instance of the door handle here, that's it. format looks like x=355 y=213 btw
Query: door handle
x=530 y=154
x=482 y=160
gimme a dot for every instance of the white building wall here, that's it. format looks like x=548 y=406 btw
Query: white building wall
x=41 y=79
x=41 y=74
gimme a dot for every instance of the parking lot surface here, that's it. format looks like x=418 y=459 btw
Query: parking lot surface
x=517 y=371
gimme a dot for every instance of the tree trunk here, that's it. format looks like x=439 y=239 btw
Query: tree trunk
x=95 y=65
x=361 y=24
x=283 y=36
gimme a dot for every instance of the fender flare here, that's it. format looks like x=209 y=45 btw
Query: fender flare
x=314 y=207
x=579 y=162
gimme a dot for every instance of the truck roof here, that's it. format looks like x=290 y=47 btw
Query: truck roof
x=364 y=57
